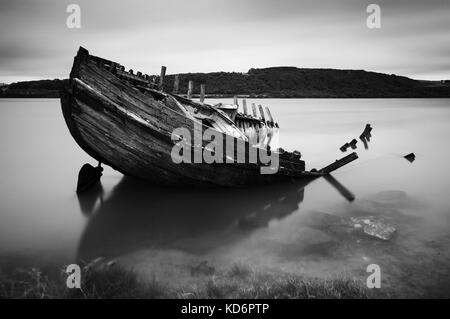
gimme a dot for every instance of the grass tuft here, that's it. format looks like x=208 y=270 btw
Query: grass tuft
x=240 y=270
x=240 y=281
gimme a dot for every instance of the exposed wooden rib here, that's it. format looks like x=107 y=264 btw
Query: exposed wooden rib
x=176 y=84
x=261 y=111
x=190 y=89
x=244 y=105
x=268 y=114
x=202 y=93
x=255 y=114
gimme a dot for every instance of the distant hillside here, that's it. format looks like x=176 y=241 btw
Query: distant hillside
x=311 y=83
x=287 y=82
x=33 y=89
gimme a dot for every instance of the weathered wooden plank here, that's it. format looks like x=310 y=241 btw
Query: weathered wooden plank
x=339 y=163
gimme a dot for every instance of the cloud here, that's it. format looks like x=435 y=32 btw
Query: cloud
x=228 y=35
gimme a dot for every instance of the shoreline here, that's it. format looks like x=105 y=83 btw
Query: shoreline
x=272 y=82
x=101 y=280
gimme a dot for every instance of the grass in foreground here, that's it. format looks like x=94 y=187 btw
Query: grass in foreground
x=238 y=282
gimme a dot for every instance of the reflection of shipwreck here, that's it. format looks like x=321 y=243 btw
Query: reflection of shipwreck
x=125 y=120
x=137 y=215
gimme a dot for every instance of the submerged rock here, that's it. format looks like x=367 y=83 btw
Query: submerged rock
x=374 y=228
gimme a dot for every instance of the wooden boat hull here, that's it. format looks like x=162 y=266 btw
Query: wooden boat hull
x=130 y=131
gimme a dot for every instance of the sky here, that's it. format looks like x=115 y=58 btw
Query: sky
x=226 y=35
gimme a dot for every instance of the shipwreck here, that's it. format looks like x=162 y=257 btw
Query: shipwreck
x=127 y=121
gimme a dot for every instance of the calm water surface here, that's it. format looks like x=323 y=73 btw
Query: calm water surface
x=165 y=233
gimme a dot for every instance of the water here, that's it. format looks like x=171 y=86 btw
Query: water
x=165 y=233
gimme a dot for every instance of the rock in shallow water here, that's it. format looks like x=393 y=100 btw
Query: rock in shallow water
x=372 y=226
x=375 y=228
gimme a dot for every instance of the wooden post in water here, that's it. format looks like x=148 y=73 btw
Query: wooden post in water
x=176 y=84
x=190 y=89
x=161 y=77
x=202 y=93
x=261 y=111
x=244 y=104
x=255 y=114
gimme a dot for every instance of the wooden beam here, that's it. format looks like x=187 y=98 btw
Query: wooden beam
x=176 y=84
x=339 y=163
x=161 y=77
x=202 y=93
x=235 y=100
x=190 y=89
x=244 y=104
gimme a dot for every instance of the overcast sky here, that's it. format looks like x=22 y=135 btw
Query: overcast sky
x=226 y=35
